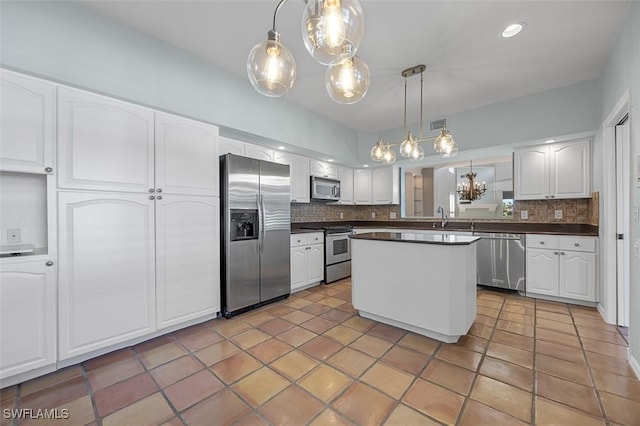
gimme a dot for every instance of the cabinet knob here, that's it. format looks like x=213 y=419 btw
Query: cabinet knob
x=555 y=252
x=159 y=197
x=562 y=253
x=542 y=242
x=151 y=197
x=151 y=190
x=48 y=263
x=576 y=244
x=159 y=190
x=48 y=169
x=307 y=248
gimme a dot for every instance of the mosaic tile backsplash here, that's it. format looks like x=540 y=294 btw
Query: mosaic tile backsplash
x=581 y=211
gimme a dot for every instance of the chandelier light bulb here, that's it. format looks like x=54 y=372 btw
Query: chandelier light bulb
x=348 y=82
x=388 y=157
x=271 y=67
x=333 y=24
x=377 y=151
x=408 y=145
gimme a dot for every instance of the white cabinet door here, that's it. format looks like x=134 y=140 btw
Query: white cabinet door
x=385 y=185
x=578 y=275
x=531 y=173
x=27 y=123
x=258 y=152
x=230 y=146
x=27 y=316
x=106 y=287
x=570 y=167
x=186 y=156
x=187 y=258
x=362 y=186
x=315 y=263
x=298 y=267
x=323 y=169
x=345 y=174
x=299 y=172
x=542 y=272
x=104 y=144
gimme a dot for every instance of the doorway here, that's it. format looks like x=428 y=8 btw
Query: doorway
x=623 y=196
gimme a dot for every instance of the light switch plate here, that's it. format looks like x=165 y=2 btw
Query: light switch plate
x=524 y=214
x=557 y=214
x=341 y=215
x=373 y=215
x=392 y=215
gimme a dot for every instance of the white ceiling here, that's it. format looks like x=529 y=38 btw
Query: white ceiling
x=468 y=64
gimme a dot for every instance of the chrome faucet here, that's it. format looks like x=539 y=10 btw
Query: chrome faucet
x=442 y=216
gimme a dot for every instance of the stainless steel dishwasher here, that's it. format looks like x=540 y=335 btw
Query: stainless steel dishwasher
x=501 y=260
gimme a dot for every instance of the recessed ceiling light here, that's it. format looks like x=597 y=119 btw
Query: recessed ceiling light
x=365 y=165
x=330 y=160
x=513 y=30
x=550 y=141
x=281 y=147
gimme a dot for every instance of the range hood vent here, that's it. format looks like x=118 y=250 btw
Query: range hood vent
x=438 y=124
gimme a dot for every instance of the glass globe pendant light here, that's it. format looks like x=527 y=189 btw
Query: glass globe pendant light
x=377 y=151
x=388 y=156
x=332 y=29
x=271 y=67
x=348 y=81
x=444 y=142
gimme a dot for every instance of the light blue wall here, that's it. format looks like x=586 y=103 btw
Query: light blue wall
x=622 y=73
x=69 y=44
x=565 y=111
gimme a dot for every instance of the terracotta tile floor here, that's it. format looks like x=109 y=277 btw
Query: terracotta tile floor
x=311 y=359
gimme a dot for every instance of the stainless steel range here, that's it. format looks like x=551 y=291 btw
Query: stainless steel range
x=337 y=253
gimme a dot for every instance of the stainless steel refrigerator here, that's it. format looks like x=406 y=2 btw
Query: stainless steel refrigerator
x=255 y=233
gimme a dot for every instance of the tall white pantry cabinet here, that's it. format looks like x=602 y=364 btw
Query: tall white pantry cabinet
x=129 y=224
x=138 y=221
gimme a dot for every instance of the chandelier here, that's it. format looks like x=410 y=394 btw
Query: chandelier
x=471 y=191
x=410 y=147
x=332 y=31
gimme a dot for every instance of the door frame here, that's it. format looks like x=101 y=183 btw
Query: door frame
x=608 y=299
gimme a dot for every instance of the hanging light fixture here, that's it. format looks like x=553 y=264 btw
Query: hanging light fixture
x=332 y=31
x=410 y=145
x=471 y=190
x=271 y=67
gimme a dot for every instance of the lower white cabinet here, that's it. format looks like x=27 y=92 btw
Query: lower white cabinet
x=106 y=288
x=187 y=258
x=307 y=260
x=27 y=315
x=561 y=266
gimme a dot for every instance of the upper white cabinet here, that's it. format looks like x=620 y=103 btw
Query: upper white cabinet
x=27 y=316
x=106 y=289
x=104 y=144
x=27 y=124
x=385 y=185
x=559 y=170
x=299 y=172
x=232 y=146
x=187 y=253
x=186 y=160
x=323 y=169
x=345 y=175
x=362 y=186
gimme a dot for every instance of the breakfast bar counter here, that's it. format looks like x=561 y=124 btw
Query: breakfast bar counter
x=423 y=283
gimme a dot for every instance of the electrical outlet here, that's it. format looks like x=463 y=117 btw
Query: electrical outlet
x=557 y=214
x=13 y=235
x=341 y=215
x=392 y=215
x=373 y=215
x=524 y=214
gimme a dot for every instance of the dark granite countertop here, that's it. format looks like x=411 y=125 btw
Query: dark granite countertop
x=417 y=237
x=503 y=226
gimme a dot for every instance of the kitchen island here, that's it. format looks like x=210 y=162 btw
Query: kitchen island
x=423 y=283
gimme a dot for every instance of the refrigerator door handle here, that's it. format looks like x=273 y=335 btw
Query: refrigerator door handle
x=261 y=222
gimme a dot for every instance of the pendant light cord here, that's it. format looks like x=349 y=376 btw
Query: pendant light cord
x=421 y=91
x=275 y=14
x=405 y=107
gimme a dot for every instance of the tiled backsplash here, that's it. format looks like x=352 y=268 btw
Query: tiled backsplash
x=582 y=211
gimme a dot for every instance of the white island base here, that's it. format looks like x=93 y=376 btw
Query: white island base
x=428 y=288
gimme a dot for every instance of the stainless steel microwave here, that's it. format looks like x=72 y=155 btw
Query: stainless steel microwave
x=325 y=189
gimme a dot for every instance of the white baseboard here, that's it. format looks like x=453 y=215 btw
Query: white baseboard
x=634 y=365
